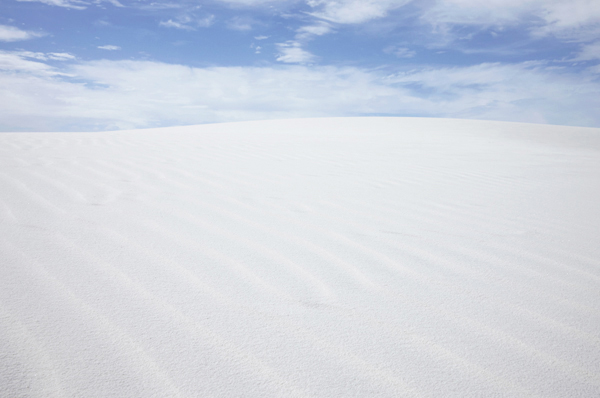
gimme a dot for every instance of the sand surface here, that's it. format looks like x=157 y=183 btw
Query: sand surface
x=367 y=257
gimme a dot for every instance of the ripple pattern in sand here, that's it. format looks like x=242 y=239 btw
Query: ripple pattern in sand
x=373 y=257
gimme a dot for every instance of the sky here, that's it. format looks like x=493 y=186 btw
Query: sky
x=95 y=65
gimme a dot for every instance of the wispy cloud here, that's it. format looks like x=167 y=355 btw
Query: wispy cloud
x=30 y=62
x=175 y=24
x=589 y=52
x=400 y=52
x=76 y=4
x=309 y=31
x=529 y=91
x=257 y=49
x=11 y=33
x=572 y=19
x=42 y=56
x=241 y=23
x=291 y=52
x=254 y=3
x=135 y=94
x=61 y=56
x=564 y=19
x=109 y=47
x=188 y=22
x=353 y=11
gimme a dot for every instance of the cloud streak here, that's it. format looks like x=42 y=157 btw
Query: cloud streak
x=109 y=47
x=11 y=33
x=589 y=52
x=291 y=52
x=353 y=11
x=188 y=22
x=572 y=19
x=74 y=4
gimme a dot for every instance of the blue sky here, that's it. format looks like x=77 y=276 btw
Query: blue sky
x=88 y=65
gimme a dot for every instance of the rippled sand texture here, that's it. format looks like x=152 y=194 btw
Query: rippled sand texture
x=369 y=257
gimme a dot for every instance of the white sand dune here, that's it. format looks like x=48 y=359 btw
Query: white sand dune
x=350 y=257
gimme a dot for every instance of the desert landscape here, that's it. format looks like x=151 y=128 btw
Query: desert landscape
x=332 y=257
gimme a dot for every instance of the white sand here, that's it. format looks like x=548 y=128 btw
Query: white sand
x=369 y=257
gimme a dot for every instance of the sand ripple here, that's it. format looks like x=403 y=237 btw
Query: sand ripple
x=367 y=257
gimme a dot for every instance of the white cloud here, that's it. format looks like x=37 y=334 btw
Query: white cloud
x=241 y=23
x=309 y=31
x=135 y=94
x=17 y=61
x=574 y=19
x=567 y=19
x=28 y=54
x=257 y=49
x=250 y=3
x=60 y=56
x=75 y=4
x=205 y=22
x=589 y=52
x=174 y=24
x=109 y=47
x=529 y=92
x=317 y=30
x=467 y=12
x=41 y=56
x=188 y=22
x=400 y=52
x=128 y=94
x=115 y=3
x=594 y=69
x=291 y=52
x=353 y=11
x=11 y=33
x=261 y=37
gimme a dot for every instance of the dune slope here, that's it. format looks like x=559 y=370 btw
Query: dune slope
x=364 y=257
